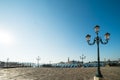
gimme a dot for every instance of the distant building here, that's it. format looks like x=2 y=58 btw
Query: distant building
x=2 y=64
x=94 y=64
x=69 y=64
x=15 y=64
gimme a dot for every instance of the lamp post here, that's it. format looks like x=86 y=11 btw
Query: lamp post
x=7 y=62
x=38 y=59
x=82 y=57
x=98 y=40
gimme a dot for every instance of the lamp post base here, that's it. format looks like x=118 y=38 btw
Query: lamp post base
x=98 y=78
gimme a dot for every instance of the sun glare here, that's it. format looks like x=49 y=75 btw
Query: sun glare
x=6 y=38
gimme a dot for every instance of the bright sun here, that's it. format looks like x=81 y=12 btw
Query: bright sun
x=5 y=37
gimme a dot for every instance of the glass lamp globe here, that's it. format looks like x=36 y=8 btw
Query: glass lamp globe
x=88 y=37
x=97 y=28
x=107 y=35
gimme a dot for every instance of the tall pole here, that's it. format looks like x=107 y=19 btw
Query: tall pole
x=7 y=62
x=38 y=59
x=82 y=57
x=98 y=74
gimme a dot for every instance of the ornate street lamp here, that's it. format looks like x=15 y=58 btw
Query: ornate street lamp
x=38 y=59
x=98 y=40
x=7 y=62
x=82 y=57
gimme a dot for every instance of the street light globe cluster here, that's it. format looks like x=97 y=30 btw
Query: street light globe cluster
x=97 y=28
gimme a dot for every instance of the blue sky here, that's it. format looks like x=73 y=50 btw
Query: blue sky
x=56 y=29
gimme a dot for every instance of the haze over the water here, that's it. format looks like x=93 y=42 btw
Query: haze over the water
x=56 y=29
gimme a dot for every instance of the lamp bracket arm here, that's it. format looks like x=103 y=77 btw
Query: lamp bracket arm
x=92 y=42
x=104 y=42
